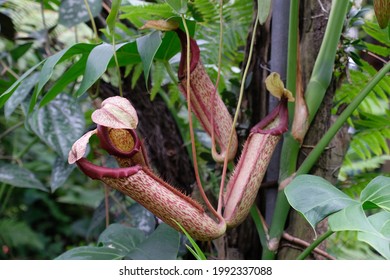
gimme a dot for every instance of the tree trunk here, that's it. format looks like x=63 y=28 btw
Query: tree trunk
x=312 y=27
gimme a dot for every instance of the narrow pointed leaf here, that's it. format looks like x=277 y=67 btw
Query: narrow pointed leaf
x=76 y=70
x=147 y=47
x=20 y=94
x=111 y=18
x=7 y=94
x=97 y=63
x=324 y=198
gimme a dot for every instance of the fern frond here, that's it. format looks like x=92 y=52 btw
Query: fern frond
x=369 y=145
x=139 y=14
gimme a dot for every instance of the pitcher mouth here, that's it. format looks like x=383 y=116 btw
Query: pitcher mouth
x=194 y=51
x=107 y=144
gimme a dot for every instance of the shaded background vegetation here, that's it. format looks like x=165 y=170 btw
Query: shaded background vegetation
x=48 y=207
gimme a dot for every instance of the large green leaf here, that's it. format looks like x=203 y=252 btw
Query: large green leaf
x=118 y=241
x=91 y=253
x=20 y=94
x=60 y=173
x=163 y=244
x=17 y=176
x=377 y=192
x=147 y=47
x=380 y=221
x=315 y=198
x=351 y=218
x=59 y=124
x=122 y=238
x=73 y=12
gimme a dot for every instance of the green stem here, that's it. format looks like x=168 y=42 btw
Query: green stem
x=2 y=189
x=118 y=70
x=312 y=246
x=6 y=199
x=170 y=72
x=92 y=20
x=292 y=53
x=312 y=158
x=26 y=148
x=315 y=91
x=191 y=129
x=241 y=94
x=259 y=226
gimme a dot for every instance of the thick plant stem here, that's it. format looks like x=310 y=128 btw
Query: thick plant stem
x=315 y=92
x=317 y=242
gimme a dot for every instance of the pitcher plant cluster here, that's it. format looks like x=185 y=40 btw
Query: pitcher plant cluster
x=117 y=132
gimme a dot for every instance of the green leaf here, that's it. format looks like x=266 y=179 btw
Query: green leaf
x=19 y=234
x=170 y=44
x=380 y=222
x=264 y=7
x=351 y=218
x=60 y=173
x=19 y=51
x=111 y=18
x=324 y=198
x=118 y=241
x=59 y=124
x=73 y=12
x=180 y=6
x=91 y=253
x=147 y=47
x=377 y=192
x=140 y=218
x=196 y=251
x=97 y=63
x=163 y=244
x=122 y=238
x=66 y=78
x=17 y=176
x=7 y=94
x=20 y=94
x=48 y=67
